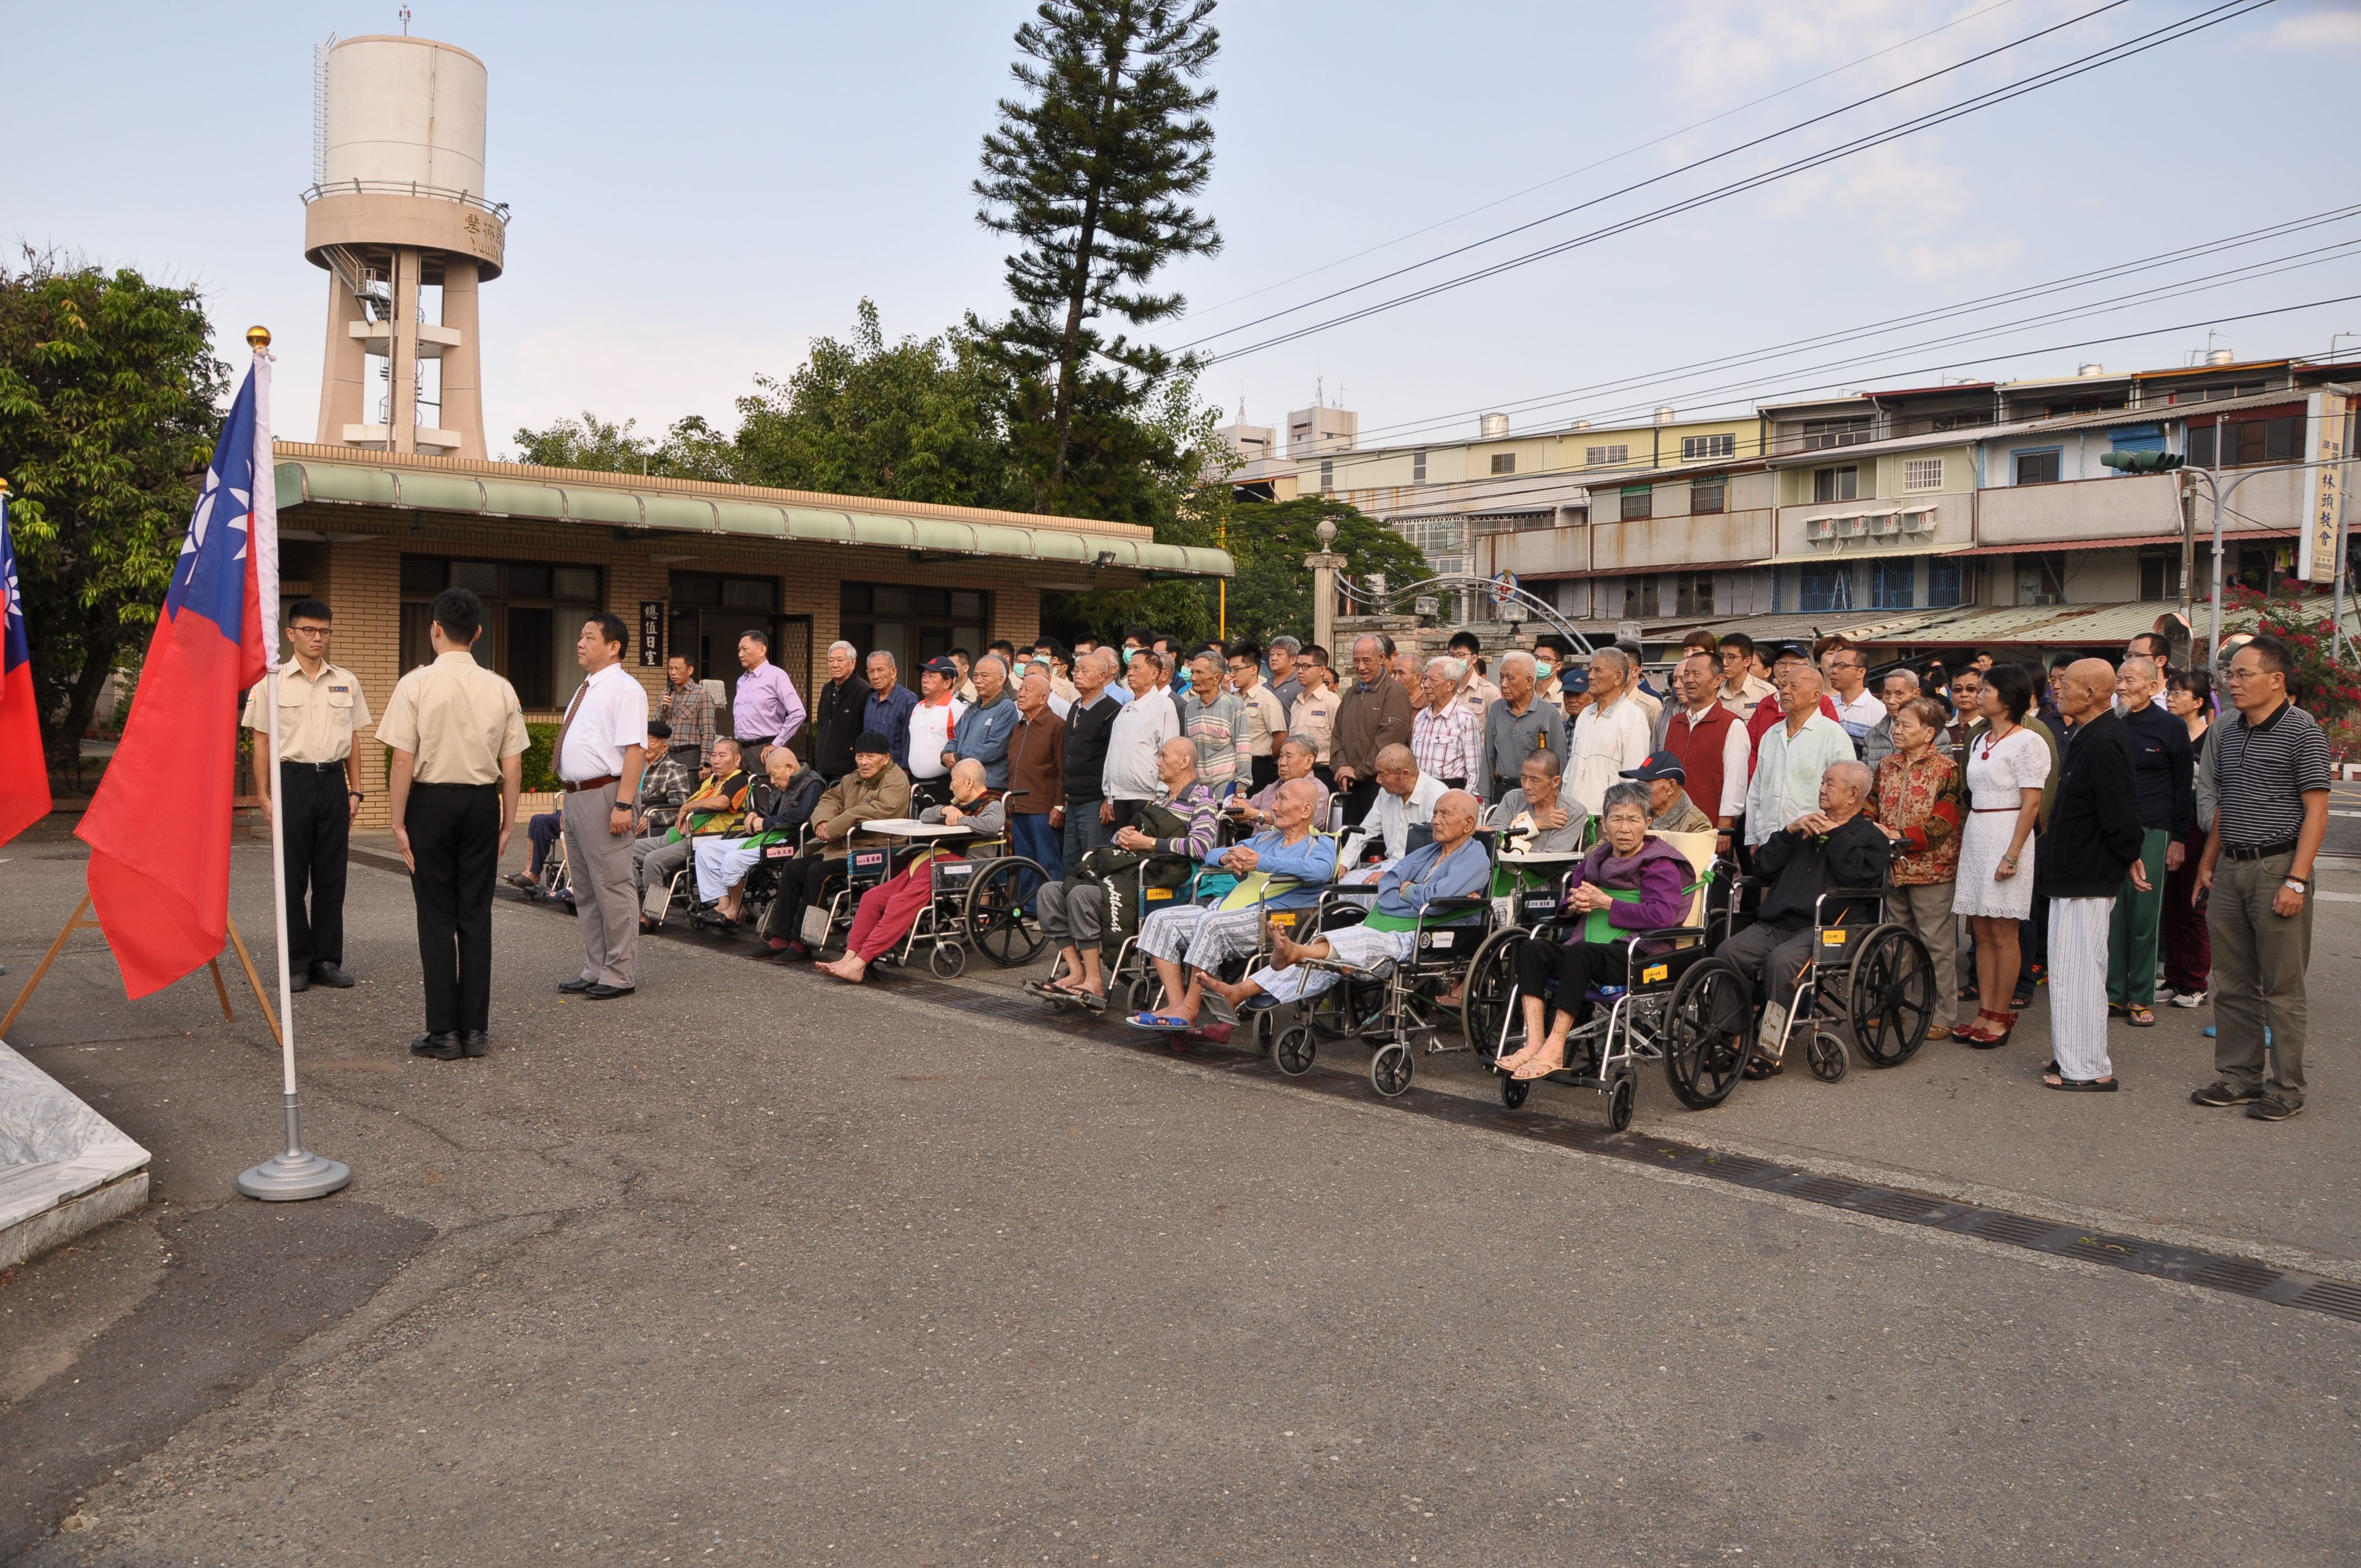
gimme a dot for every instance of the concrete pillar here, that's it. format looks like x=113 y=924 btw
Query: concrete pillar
x=1324 y=567
x=401 y=363
x=343 y=368
x=463 y=371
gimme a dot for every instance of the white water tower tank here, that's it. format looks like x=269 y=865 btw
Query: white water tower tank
x=1493 y=426
x=2220 y=357
x=2089 y=368
x=1665 y=415
x=404 y=111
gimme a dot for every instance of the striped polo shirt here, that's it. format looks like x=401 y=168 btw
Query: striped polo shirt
x=2274 y=766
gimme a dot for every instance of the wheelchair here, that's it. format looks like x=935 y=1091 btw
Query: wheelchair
x=1629 y=1023
x=1398 y=1009
x=975 y=900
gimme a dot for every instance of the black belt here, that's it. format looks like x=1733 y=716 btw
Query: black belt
x=2258 y=851
x=335 y=767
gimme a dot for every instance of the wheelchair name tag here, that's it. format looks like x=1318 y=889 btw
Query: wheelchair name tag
x=1655 y=972
x=953 y=874
x=778 y=851
x=1537 y=905
x=1159 y=894
x=868 y=865
x=816 y=927
x=1284 y=917
x=1440 y=939
x=1834 y=937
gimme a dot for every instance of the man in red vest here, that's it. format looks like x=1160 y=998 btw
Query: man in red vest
x=1711 y=744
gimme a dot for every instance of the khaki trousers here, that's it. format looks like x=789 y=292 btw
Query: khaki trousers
x=1925 y=908
x=598 y=862
x=2260 y=960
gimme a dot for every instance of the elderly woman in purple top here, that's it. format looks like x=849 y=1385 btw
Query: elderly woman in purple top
x=1639 y=883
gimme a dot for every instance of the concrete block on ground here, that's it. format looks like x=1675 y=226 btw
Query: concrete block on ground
x=63 y=1167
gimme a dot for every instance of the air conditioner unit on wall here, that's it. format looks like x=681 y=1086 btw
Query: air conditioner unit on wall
x=1851 y=527
x=1887 y=523
x=1820 y=528
x=1918 y=519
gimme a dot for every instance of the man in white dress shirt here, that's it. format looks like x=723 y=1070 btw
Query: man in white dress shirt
x=1859 y=709
x=1792 y=755
x=601 y=748
x=1612 y=733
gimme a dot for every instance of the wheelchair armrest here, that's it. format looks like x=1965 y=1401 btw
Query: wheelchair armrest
x=1665 y=933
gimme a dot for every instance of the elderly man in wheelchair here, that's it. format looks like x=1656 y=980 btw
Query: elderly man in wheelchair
x=1818 y=869
x=888 y=911
x=1282 y=868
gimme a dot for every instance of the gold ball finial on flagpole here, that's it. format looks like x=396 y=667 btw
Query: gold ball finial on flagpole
x=257 y=338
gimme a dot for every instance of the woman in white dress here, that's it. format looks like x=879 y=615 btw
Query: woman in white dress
x=2008 y=767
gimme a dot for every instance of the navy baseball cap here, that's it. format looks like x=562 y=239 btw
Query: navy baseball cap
x=942 y=667
x=1659 y=765
x=1575 y=681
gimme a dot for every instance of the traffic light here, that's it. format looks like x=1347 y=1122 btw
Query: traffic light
x=2142 y=462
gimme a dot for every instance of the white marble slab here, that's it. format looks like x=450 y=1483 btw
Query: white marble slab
x=53 y=1148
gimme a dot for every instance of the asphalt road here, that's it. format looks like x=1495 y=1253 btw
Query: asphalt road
x=755 y=1268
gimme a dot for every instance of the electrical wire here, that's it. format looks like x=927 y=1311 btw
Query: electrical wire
x=2113 y=54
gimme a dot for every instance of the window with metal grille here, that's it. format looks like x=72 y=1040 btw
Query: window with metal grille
x=1921 y=474
x=1946 y=583
x=1418 y=467
x=2159 y=576
x=1592 y=457
x=2247 y=442
x=1820 y=433
x=1638 y=502
x=1693 y=594
x=1640 y=598
x=1893 y=585
x=1825 y=585
x=1504 y=462
x=1836 y=484
x=1327 y=474
x=1694 y=447
x=533 y=612
x=2039 y=468
x=1708 y=496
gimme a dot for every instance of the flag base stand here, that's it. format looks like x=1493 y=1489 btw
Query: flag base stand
x=296 y=1173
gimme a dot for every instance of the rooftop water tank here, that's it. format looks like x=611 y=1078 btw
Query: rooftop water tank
x=2090 y=368
x=1664 y=415
x=404 y=111
x=2220 y=357
x=1494 y=426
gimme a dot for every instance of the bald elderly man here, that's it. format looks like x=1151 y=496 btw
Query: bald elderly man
x=2094 y=841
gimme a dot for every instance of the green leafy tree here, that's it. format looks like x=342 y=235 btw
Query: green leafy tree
x=921 y=420
x=1272 y=592
x=1090 y=174
x=109 y=398
x=693 y=450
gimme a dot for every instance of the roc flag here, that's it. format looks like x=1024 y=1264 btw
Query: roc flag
x=159 y=827
x=24 y=777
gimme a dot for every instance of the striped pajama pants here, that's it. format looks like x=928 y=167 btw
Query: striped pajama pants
x=2078 y=985
x=1202 y=939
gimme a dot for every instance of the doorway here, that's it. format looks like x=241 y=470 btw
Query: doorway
x=711 y=611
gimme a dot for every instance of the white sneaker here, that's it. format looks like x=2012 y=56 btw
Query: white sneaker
x=2189 y=999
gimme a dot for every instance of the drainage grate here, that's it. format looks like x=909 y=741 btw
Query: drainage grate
x=2232 y=1276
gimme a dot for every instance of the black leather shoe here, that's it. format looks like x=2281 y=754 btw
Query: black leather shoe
x=441 y=1047
x=576 y=986
x=607 y=992
x=331 y=976
x=298 y=982
x=475 y=1043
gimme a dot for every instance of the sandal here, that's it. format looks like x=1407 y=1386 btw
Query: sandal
x=1160 y=1023
x=2139 y=1018
x=2080 y=1085
x=1533 y=1069
x=1757 y=1068
x=1969 y=993
x=2006 y=1024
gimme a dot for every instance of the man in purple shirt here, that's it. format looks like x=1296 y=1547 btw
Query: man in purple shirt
x=765 y=712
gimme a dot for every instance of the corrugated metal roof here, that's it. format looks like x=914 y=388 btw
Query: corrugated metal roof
x=2130 y=542
x=1881 y=552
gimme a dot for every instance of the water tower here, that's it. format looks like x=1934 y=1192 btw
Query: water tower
x=396 y=213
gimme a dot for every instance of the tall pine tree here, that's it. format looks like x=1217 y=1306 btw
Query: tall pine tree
x=1091 y=173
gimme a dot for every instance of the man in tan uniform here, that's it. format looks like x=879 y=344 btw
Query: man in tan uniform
x=317 y=784
x=457 y=737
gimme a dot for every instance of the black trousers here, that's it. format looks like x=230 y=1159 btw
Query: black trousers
x=1576 y=967
x=799 y=880
x=1264 y=771
x=315 y=831
x=454 y=837
x=1358 y=799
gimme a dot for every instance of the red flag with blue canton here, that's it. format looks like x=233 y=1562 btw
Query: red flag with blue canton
x=23 y=777
x=158 y=827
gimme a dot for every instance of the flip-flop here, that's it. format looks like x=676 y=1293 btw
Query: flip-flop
x=2081 y=1085
x=1159 y=1023
x=2140 y=1017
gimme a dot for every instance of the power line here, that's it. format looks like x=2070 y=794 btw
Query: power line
x=2113 y=54
x=1597 y=163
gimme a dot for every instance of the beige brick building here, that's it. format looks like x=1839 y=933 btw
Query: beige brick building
x=377 y=535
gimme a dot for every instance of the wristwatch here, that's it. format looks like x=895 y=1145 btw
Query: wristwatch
x=2298 y=884
x=358 y=795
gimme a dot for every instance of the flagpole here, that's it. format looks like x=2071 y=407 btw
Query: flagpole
x=295 y=1172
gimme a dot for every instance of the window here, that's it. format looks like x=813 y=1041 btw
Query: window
x=1836 y=484
x=2137 y=438
x=1432 y=536
x=1510 y=522
x=1822 y=433
x=1693 y=594
x=1893 y=585
x=1418 y=467
x=2247 y=442
x=1638 y=502
x=2042 y=579
x=533 y=612
x=1707 y=495
x=1696 y=448
x=2159 y=576
x=914 y=624
x=1592 y=457
x=2038 y=468
x=1946 y=583
x=1504 y=462
x=1825 y=586
x=1640 y=598
x=1921 y=474
x=1328 y=474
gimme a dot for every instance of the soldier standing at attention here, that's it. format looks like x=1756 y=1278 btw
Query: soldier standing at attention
x=457 y=738
x=319 y=787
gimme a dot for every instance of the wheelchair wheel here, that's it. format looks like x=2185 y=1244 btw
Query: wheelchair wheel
x=1708 y=1030
x=1513 y=1090
x=1143 y=993
x=1350 y=1008
x=948 y=959
x=1489 y=1013
x=995 y=923
x=1891 y=999
x=1823 y=1052
x=1618 y=1102
x=1294 y=1050
x=1389 y=1069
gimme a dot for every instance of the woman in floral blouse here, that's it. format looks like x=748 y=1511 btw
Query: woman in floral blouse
x=1921 y=801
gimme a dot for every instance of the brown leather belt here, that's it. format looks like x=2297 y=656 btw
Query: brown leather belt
x=600 y=783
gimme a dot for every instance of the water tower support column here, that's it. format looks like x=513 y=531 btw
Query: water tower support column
x=343 y=368
x=463 y=371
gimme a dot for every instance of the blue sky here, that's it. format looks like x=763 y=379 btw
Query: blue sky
x=698 y=190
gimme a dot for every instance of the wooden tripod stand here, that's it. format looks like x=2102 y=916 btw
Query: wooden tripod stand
x=75 y=921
